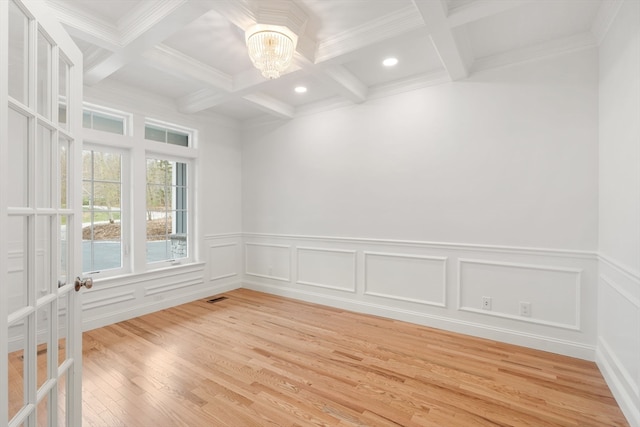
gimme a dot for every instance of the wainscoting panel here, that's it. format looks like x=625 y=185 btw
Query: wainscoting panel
x=552 y=293
x=115 y=299
x=326 y=268
x=268 y=261
x=414 y=278
x=223 y=260
x=438 y=284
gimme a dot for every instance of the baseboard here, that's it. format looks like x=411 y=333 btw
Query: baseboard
x=544 y=343
x=618 y=383
x=95 y=322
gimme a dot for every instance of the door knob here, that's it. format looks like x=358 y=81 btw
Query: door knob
x=87 y=283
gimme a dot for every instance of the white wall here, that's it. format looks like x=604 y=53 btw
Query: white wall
x=618 y=353
x=507 y=157
x=417 y=205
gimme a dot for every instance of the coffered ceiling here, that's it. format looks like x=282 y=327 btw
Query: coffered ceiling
x=193 y=51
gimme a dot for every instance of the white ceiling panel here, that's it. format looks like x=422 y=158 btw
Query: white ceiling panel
x=214 y=41
x=193 y=51
x=284 y=90
x=533 y=23
x=148 y=78
x=415 y=54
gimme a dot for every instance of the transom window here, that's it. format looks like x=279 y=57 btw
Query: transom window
x=157 y=131
x=105 y=120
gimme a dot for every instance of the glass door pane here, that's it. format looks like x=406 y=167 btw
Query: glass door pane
x=44 y=76
x=18 y=146
x=18 y=264
x=18 y=54
x=17 y=389
x=63 y=92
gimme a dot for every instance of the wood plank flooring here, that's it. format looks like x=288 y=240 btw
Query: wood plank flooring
x=259 y=360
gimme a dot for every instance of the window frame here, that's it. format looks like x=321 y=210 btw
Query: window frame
x=125 y=208
x=190 y=205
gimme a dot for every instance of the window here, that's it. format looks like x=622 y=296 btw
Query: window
x=168 y=135
x=167 y=212
x=102 y=242
x=102 y=119
x=132 y=183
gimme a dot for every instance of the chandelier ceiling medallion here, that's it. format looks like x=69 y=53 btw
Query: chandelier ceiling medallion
x=273 y=40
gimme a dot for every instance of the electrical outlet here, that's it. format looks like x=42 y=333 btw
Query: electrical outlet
x=525 y=309
x=486 y=303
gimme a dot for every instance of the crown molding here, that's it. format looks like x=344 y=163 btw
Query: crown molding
x=144 y=16
x=388 y=26
x=533 y=53
x=604 y=18
x=85 y=26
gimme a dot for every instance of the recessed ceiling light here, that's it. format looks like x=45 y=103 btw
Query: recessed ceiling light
x=390 y=62
x=300 y=89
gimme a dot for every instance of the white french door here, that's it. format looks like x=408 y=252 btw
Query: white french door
x=40 y=149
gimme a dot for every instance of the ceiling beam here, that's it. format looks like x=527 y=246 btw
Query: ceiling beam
x=271 y=105
x=343 y=82
x=434 y=15
x=479 y=9
x=158 y=26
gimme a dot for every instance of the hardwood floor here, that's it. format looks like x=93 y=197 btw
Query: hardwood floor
x=259 y=360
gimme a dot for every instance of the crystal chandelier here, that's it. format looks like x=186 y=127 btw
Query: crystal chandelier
x=271 y=48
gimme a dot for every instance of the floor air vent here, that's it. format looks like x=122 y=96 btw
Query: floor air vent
x=214 y=300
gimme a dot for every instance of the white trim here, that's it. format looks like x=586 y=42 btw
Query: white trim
x=627 y=271
x=620 y=382
x=147 y=276
x=574 y=327
x=110 y=300
x=237 y=234
x=159 y=289
x=409 y=256
x=439 y=245
x=623 y=292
